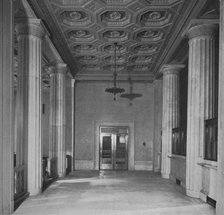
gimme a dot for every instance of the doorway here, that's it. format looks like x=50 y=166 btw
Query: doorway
x=114 y=148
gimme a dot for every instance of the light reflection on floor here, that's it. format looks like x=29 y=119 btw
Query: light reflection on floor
x=115 y=193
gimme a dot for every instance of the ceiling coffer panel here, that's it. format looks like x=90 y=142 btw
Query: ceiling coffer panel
x=90 y=27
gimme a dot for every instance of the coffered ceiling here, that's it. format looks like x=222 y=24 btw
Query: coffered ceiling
x=84 y=32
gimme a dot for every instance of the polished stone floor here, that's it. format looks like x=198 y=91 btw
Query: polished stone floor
x=113 y=193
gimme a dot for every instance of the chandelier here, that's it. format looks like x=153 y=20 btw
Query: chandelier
x=131 y=96
x=115 y=90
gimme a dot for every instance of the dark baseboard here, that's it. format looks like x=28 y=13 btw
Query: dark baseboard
x=18 y=200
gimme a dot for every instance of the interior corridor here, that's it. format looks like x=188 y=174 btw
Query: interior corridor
x=113 y=192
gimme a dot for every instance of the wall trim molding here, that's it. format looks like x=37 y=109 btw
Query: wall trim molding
x=143 y=165
x=84 y=165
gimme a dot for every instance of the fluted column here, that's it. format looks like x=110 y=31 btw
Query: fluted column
x=158 y=85
x=6 y=107
x=200 y=99
x=57 y=117
x=171 y=114
x=220 y=180
x=73 y=122
x=30 y=33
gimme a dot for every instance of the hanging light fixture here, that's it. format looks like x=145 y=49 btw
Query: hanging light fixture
x=115 y=90
x=131 y=96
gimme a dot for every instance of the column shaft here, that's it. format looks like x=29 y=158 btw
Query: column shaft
x=170 y=113
x=220 y=179
x=158 y=85
x=6 y=108
x=29 y=102
x=73 y=123
x=200 y=100
x=57 y=118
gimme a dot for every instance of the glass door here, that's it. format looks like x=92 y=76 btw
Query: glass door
x=106 y=152
x=113 y=148
x=120 y=158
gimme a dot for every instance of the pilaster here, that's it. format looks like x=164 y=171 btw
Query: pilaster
x=6 y=108
x=170 y=114
x=220 y=179
x=158 y=86
x=73 y=122
x=30 y=33
x=200 y=98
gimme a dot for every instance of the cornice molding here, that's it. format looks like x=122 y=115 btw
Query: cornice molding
x=108 y=77
x=50 y=50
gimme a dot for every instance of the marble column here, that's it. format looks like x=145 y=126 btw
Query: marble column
x=73 y=122
x=57 y=117
x=30 y=33
x=200 y=106
x=158 y=93
x=6 y=108
x=220 y=179
x=170 y=114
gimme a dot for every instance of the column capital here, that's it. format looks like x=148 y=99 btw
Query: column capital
x=168 y=69
x=201 y=28
x=30 y=26
x=58 y=67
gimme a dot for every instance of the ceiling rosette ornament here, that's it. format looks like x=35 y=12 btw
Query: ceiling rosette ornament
x=115 y=35
x=110 y=48
x=146 y=48
x=150 y=35
x=115 y=18
x=141 y=59
x=88 y=58
x=75 y=18
x=84 y=48
x=156 y=18
x=119 y=59
x=80 y=35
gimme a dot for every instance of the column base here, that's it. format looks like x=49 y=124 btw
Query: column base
x=203 y=197
x=167 y=176
x=219 y=209
x=193 y=194
x=61 y=175
x=35 y=191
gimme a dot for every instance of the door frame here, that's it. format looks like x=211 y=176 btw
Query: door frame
x=130 y=126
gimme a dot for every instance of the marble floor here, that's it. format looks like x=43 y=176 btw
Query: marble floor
x=113 y=193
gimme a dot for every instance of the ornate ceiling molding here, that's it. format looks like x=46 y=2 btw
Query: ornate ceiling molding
x=145 y=31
